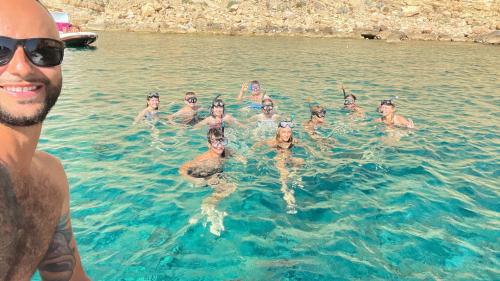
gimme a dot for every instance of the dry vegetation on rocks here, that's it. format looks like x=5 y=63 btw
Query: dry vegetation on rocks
x=448 y=20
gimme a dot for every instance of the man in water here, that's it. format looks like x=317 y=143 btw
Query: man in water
x=268 y=115
x=351 y=105
x=35 y=225
x=389 y=117
x=207 y=169
x=256 y=94
x=317 y=120
x=187 y=115
x=150 y=113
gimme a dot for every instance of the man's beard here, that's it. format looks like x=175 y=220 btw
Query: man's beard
x=51 y=97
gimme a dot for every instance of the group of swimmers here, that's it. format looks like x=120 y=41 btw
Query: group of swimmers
x=206 y=169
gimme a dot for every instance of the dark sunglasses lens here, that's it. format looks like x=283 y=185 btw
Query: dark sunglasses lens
x=7 y=49
x=44 y=52
x=192 y=100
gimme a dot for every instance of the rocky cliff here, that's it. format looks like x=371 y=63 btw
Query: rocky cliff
x=447 y=20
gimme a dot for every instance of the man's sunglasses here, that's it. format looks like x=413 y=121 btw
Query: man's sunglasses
x=42 y=52
x=284 y=124
x=192 y=99
x=268 y=105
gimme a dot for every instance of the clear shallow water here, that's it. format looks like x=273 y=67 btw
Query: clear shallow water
x=425 y=207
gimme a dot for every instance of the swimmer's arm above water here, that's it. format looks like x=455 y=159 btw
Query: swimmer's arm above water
x=140 y=116
x=244 y=88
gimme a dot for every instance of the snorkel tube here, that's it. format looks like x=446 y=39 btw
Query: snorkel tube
x=215 y=101
x=343 y=91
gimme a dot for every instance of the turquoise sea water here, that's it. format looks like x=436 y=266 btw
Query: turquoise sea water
x=381 y=205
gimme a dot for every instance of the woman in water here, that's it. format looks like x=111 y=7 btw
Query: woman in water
x=256 y=95
x=389 y=117
x=188 y=115
x=150 y=113
x=351 y=105
x=206 y=169
x=283 y=144
x=218 y=117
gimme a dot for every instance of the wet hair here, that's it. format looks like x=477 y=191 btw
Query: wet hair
x=216 y=133
x=254 y=82
x=190 y=94
x=267 y=99
x=350 y=95
x=316 y=108
x=278 y=136
x=217 y=99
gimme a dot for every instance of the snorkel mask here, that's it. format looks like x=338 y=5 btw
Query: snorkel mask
x=217 y=102
x=192 y=100
x=285 y=124
x=267 y=105
x=254 y=86
x=219 y=142
x=320 y=114
x=388 y=102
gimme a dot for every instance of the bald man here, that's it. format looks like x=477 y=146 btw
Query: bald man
x=35 y=225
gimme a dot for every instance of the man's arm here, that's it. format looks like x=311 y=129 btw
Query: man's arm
x=62 y=260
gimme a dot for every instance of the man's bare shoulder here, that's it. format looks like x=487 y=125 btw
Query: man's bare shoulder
x=51 y=166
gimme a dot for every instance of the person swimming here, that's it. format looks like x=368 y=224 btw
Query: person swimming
x=387 y=109
x=218 y=117
x=188 y=115
x=150 y=113
x=207 y=169
x=351 y=105
x=283 y=143
x=256 y=95
x=268 y=116
x=317 y=120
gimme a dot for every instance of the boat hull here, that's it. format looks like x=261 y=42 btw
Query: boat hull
x=78 y=39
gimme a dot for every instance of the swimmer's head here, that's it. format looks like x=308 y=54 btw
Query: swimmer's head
x=153 y=100
x=350 y=101
x=284 y=132
x=190 y=99
x=267 y=105
x=254 y=87
x=318 y=113
x=216 y=140
x=218 y=107
x=386 y=107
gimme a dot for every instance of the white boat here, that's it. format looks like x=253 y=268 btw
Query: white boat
x=78 y=39
x=71 y=34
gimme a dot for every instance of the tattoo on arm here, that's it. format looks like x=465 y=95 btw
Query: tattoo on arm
x=59 y=261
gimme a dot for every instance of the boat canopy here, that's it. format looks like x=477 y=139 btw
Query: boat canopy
x=60 y=17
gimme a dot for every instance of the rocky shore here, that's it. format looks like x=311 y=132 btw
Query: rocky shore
x=445 y=20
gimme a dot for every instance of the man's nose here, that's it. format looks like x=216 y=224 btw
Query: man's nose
x=19 y=64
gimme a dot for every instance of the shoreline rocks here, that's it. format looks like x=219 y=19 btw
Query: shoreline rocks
x=444 y=20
